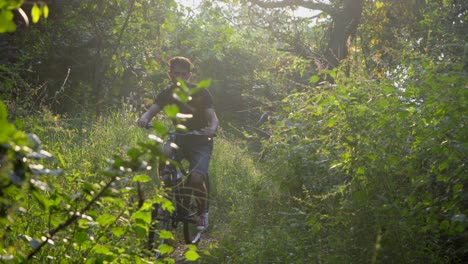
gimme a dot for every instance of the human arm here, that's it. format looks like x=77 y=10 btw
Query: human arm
x=213 y=122
x=148 y=115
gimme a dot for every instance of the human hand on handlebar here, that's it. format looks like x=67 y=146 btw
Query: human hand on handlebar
x=210 y=132
x=143 y=122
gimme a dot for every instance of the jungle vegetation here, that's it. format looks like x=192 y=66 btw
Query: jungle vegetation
x=343 y=134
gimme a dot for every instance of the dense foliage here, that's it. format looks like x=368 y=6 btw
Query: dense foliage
x=346 y=129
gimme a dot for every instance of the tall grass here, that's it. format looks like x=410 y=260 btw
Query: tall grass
x=254 y=220
x=83 y=145
x=259 y=211
x=247 y=211
x=82 y=149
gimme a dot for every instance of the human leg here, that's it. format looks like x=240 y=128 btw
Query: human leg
x=198 y=184
x=199 y=159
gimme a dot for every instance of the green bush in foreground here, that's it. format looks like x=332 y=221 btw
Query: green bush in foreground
x=84 y=214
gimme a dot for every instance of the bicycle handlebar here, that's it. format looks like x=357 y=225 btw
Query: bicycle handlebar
x=183 y=133
x=194 y=133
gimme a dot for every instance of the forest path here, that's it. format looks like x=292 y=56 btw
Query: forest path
x=181 y=248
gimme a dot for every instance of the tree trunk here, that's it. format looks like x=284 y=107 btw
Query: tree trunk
x=345 y=22
x=344 y=28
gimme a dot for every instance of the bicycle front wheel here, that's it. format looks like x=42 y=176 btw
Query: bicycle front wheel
x=190 y=213
x=191 y=234
x=160 y=220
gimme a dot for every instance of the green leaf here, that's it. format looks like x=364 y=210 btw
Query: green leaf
x=332 y=121
x=144 y=216
x=35 y=13
x=181 y=96
x=81 y=237
x=182 y=85
x=141 y=229
x=164 y=234
x=360 y=170
x=91 y=261
x=204 y=83
x=101 y=249
x=160 y=128
x=41 y=199
x=11 y=4
x=147 y=206
x=141 y=178
x=314 y=79
x=171 y=110
x=3 y=111
x=6 y=21
x=200 y=86
x=61 y=160
x=45 y=11
x=167 y=205
x=444 y=225
x=314 y=225
x=191 y=255
x=165 y=249
x=118 y=231
x=133 y=153
x=105 y=219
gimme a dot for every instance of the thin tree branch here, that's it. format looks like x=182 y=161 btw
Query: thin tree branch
x=62 y=88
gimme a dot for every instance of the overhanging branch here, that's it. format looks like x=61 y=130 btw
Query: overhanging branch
x=314 y=5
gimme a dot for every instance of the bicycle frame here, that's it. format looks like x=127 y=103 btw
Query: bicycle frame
x=181 y=196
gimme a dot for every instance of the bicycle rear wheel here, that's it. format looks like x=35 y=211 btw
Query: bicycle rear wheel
x=160 y=221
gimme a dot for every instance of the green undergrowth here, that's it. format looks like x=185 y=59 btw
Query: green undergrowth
x=243 y=199
x=91 y=212
x=247 y=211
x=362 y=171
x=252 y=219
x=369 y=171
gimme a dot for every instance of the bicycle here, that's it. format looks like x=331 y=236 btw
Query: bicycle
x=181 y=196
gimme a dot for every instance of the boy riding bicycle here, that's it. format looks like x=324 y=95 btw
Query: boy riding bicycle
x=196 y=150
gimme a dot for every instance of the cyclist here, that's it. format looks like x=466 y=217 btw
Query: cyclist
x=195 y=149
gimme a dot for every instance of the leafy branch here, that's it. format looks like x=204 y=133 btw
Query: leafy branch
x=117 y=169
x=8 y=6
x=72 y=218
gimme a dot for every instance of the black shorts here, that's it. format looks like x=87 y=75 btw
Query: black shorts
x=196 y=150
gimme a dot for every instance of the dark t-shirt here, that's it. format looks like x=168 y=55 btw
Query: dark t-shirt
x=201 y=101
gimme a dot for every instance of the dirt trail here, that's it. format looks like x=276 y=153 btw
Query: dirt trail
x=181 y=248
